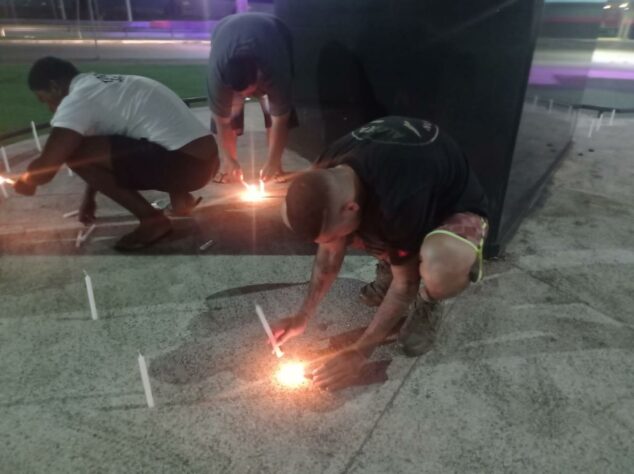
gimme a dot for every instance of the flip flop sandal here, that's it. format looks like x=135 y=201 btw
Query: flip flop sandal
x=220 y=178
x=170 y=212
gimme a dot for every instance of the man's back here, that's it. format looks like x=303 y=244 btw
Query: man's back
x=133 y=106
x=414 y=176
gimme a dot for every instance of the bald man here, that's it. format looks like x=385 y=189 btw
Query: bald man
x=401 y=189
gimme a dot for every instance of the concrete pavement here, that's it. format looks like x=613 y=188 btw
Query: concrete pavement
x=531 y=371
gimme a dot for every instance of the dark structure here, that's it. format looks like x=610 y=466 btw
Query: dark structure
x=476 y=68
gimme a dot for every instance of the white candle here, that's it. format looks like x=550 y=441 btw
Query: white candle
x=83 y=236
x=4 y=191
x=70 y=172
x=78 y=240
x=207 y=244
x=88 y=232
x=612 y=115
x=91 y=297
x=268 y=331
x=7 y=168
x=145 y=379
x=70 y=214
x=38 y=145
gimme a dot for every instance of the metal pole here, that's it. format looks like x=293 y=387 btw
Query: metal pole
x=94 y=28
x=128 y=8
x=78 y=23
x=62 y=9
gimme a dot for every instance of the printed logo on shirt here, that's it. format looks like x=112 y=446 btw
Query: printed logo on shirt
x=401 y=131
x=109 y=78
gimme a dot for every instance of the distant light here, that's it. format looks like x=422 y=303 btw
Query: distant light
x=607 y=7
x=624 y=5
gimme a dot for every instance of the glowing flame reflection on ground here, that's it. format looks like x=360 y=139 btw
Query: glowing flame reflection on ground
x=291 y=375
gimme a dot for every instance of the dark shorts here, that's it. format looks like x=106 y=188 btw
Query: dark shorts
x=237 y=115
x=144 y=165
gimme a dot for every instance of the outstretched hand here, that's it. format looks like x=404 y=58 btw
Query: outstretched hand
x=24 y=187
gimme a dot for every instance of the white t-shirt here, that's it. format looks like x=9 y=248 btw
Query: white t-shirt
x=133 y=106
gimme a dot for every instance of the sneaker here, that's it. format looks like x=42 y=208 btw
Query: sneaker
x=373 y=293
x=419 y=330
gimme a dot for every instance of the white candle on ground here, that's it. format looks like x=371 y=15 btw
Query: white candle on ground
x=83 y=236
x=70 y=172
x=38 y=145
x=70 y=214
x=91 y=297
x=5 y=159
x=145 y=379
x=207 y=244
x=4 y=191
x=612 y=115
x=268 y=331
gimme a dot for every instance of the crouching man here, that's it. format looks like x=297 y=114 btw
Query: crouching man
x=120 y=134
x=403 y=190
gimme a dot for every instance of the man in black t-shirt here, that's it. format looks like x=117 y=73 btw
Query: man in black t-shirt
x=403 y=190
x=251 y=55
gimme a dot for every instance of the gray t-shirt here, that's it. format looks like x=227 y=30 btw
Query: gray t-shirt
x=260 y=36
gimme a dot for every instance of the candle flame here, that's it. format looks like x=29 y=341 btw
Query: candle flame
x=6 y=180
x=291 y=375
x=253 y=193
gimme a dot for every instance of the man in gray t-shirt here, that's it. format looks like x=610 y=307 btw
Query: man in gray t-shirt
x=251 y=55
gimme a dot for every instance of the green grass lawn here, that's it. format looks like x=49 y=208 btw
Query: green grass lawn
x=18 y=105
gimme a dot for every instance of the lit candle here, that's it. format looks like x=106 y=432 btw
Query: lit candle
x=91 y=297
x=4 y=191
x=268 y=331
x=6 y=180
x=145 y=379
x=291 y=375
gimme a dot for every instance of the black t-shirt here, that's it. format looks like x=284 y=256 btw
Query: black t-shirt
x=262 y=37
x=414 y=176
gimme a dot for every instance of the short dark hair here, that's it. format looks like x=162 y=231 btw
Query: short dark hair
x=48 y=69
x=307 y=203
x=240 y=73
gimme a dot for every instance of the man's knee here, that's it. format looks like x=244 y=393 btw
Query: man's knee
x=445 y=266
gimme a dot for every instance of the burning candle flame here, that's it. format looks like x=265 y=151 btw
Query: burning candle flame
x=6 y=180
x=254 y=193
x=291 y=375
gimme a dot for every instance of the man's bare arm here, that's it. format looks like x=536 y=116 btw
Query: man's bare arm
x=325 y=270
x=60 y=146
x=226 y=137
x=277 y=143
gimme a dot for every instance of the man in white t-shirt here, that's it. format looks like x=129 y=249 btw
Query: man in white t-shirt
x=121 y=134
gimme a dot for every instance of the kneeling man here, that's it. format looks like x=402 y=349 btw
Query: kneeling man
x=120 y=134
x=403 y=190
